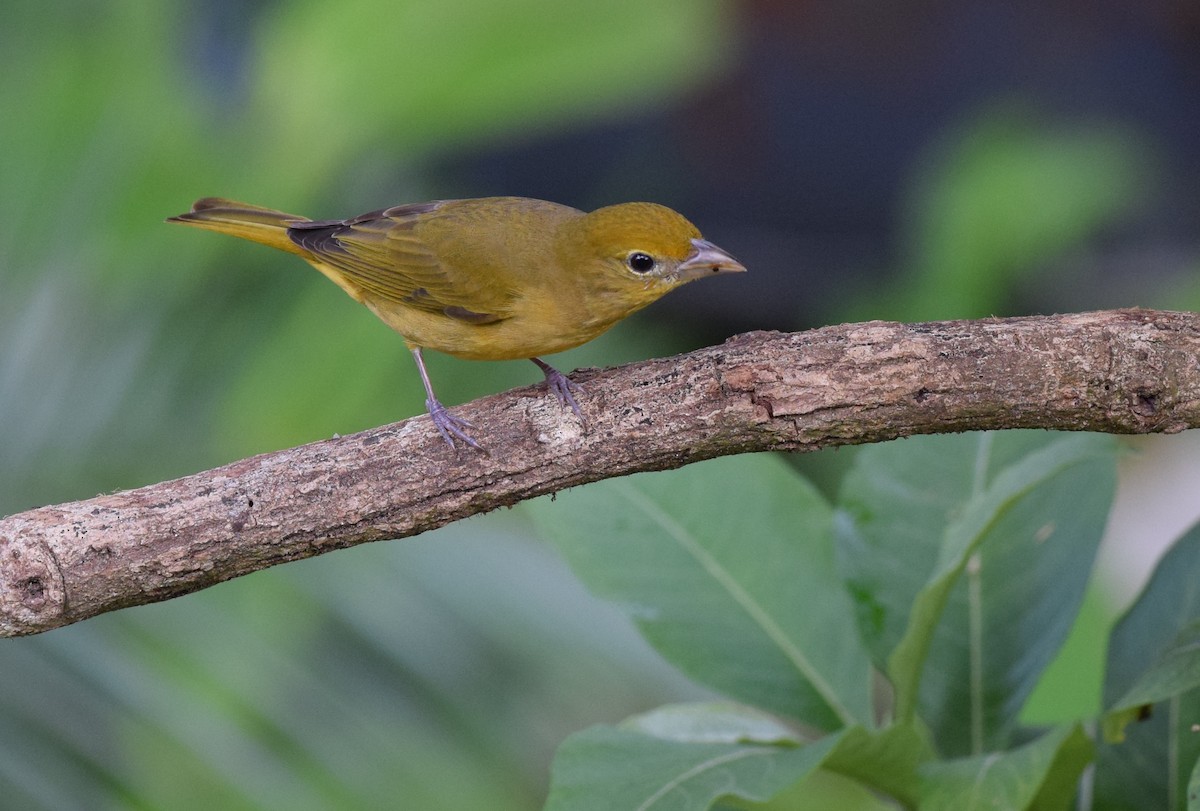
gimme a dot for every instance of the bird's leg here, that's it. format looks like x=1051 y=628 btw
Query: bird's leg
x=448 y=425
x=561 y=385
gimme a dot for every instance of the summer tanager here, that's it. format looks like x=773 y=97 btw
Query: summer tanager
x=496 y=278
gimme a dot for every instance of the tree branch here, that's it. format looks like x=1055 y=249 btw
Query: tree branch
x=1125 y=371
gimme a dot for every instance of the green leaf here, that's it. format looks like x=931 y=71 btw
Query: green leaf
x=887 y=761
x=727 y=569
x=1176 y=671
x=882 y=766
x=690 y=756
x=1041 y=775
x=1148 y=769
x=608 y=767
x=968 y=557
x=819 y=791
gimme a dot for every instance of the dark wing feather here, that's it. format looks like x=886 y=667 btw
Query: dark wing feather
x=381 y=253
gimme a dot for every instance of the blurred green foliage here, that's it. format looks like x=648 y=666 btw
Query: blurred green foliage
x=439 y=672
x=423 y=674
x=999 y=204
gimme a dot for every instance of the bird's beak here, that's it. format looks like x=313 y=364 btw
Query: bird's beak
x=705 y=260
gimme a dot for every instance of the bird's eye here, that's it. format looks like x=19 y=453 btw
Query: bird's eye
x=640 y=262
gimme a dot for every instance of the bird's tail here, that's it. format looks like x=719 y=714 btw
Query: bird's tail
x=255 y=223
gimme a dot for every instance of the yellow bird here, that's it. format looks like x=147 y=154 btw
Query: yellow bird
x=494 y=278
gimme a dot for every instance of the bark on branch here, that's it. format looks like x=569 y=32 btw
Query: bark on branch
x=1125 y=371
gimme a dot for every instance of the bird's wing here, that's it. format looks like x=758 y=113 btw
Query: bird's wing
x=382 y=254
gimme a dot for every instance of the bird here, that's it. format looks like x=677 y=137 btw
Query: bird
x=490 y=278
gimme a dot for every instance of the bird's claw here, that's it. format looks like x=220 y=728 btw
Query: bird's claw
x=563 y=388
x=450 y=426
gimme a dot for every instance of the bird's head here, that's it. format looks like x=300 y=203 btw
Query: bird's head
x=642 y=249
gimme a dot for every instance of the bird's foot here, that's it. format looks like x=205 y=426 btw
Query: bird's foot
x=450 y=426
x=564 y=389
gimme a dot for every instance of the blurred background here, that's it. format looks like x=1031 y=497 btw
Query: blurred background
x=920 y=161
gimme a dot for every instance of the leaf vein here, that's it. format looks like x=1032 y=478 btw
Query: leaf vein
x=757 y=613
